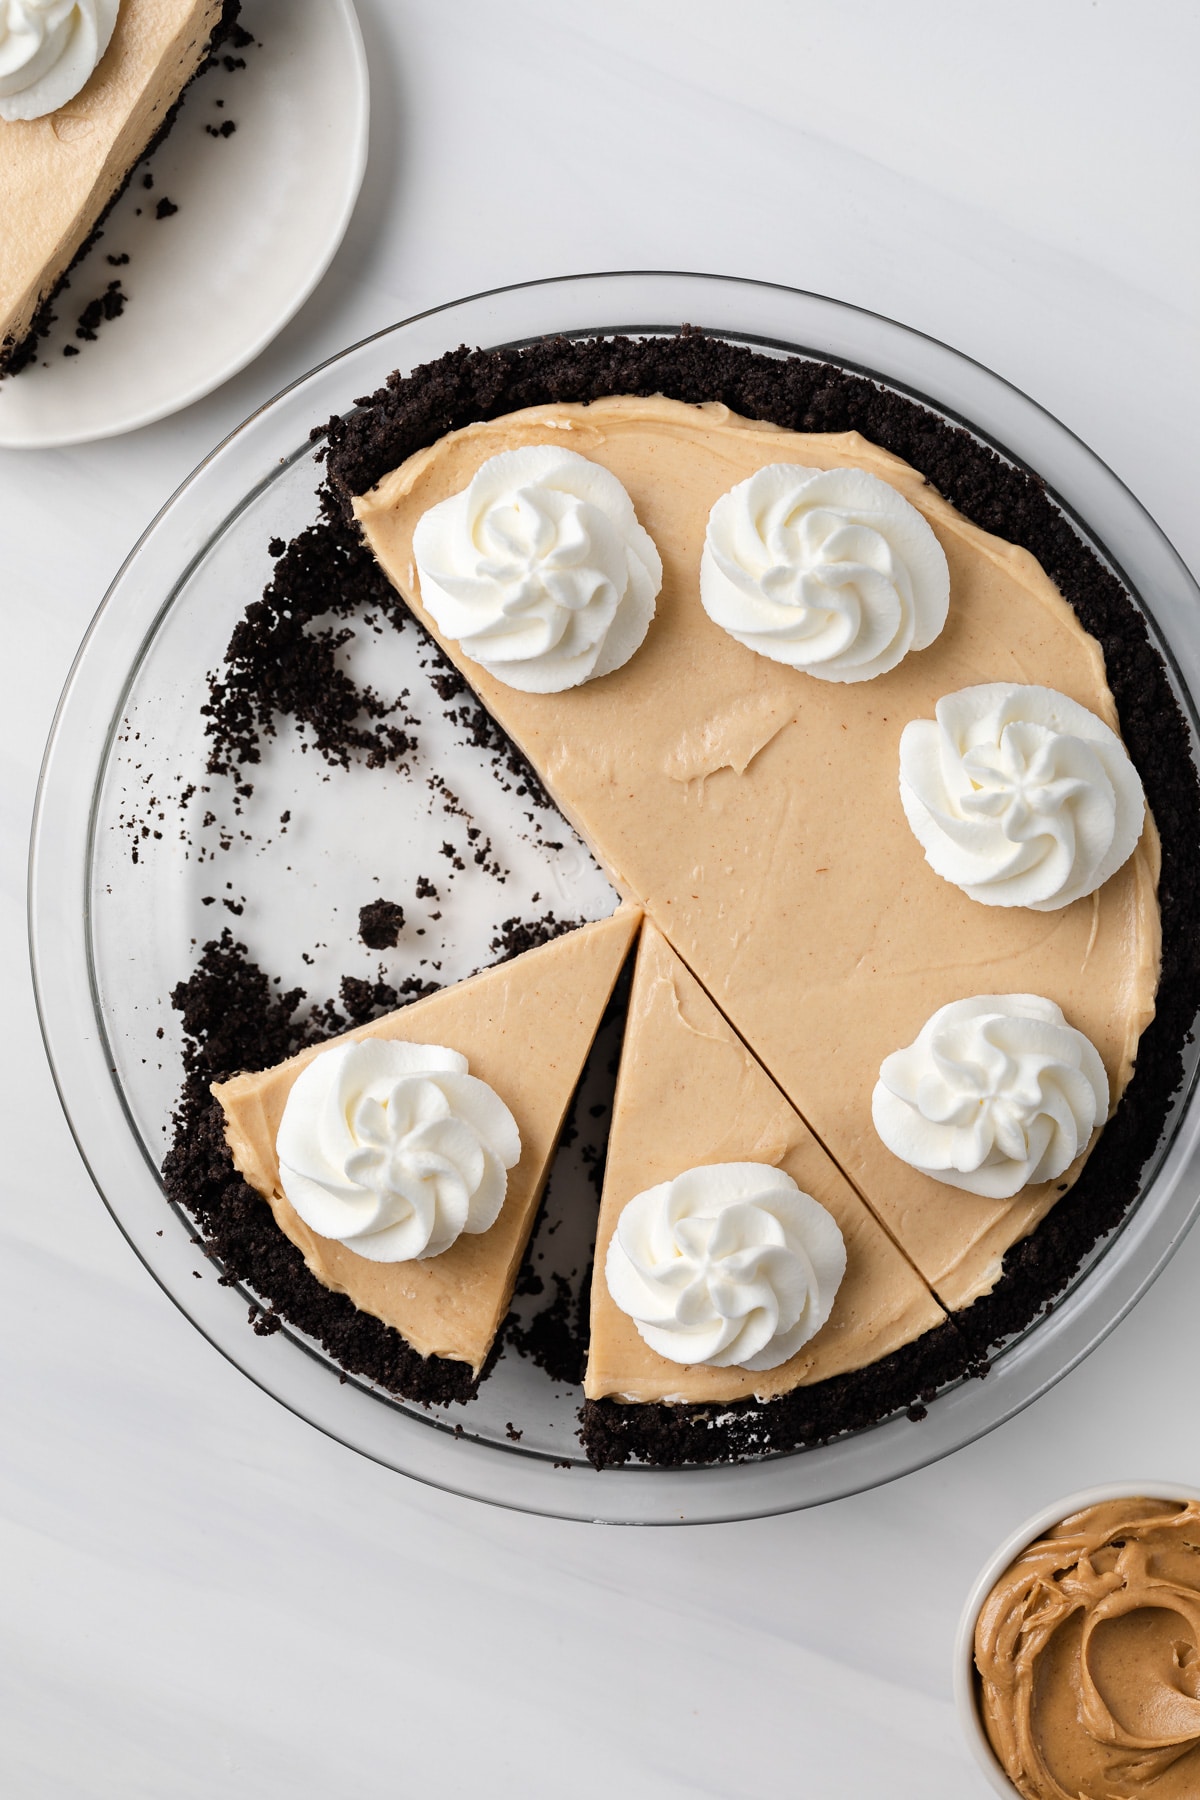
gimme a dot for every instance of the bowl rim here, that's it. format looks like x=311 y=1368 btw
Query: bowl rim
x=965 y=1697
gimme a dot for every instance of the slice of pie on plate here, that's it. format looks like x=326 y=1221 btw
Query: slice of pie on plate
x=61 y=172
x=525 y=1028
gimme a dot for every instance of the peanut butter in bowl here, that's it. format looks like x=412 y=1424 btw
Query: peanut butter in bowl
x=1086 y=1651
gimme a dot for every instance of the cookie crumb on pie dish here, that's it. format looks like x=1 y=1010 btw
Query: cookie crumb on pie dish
x=380 y=924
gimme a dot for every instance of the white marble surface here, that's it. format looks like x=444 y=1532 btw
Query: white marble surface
x=201 y=1595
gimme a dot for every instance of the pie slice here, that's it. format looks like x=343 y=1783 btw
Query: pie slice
x=60 y=173
x=688 y=1094
x=753 y=810
x=525 y=1028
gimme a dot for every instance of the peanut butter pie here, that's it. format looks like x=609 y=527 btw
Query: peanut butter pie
x=847 y=709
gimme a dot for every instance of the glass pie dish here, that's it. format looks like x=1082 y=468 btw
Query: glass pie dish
x=140 y=854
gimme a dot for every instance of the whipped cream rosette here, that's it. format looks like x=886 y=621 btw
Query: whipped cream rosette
x=829 y=570
x=1019 y=795
x=394 y=1149
x=540 y=569
x=995 y=1092
x=48 y=49
x=729 y=1264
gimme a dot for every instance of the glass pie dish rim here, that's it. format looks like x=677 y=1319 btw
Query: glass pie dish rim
x=1096 y=1300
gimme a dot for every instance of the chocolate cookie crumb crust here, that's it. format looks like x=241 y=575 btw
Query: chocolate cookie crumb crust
x=669 y=1436
x=273 y=670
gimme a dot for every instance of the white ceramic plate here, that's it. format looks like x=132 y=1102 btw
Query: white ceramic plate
x=260 y=216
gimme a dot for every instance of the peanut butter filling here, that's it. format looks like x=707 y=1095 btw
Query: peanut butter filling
x=753 y=811
x=59 y=172
x=525 y=1028
x=1088 y=1654
x=689 y=1093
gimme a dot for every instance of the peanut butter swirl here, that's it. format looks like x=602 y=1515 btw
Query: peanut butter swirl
x=1088 y=1654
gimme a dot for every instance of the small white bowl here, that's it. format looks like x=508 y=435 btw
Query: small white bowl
x=1028 y=1533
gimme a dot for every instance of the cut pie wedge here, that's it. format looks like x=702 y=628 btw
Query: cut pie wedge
x=525 y=1028
x=688 y=1094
